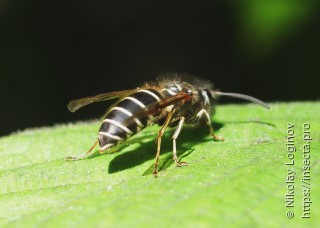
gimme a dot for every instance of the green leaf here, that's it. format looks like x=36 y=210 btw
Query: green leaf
x=238 y=182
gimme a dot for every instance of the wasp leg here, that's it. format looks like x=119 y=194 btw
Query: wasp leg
x=204 y=113
x=174 y=137
x=84 y=155
x=160 y=134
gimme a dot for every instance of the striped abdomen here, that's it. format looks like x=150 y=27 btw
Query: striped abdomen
x=119 y=124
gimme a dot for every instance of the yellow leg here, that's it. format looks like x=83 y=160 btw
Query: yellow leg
x=204 y=113
x=84 y=155
x=160 y=134
x=174 y=137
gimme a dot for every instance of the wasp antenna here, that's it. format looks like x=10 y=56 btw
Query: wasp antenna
x=72 y=106
x=241 y=96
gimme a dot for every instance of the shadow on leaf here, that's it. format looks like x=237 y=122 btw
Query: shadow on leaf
x=146 y=151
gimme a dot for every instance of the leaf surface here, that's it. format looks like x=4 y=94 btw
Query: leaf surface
x=238 y=182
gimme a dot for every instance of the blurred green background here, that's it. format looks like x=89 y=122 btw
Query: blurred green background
x=55 y=51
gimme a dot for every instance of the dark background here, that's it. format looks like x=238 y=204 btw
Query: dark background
x=54 y=51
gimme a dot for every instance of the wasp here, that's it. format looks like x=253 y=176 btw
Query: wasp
x=171 y=101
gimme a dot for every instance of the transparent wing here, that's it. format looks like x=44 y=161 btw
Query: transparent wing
x=74 y=105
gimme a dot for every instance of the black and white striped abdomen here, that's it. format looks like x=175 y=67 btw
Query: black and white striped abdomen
x=116 y=128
